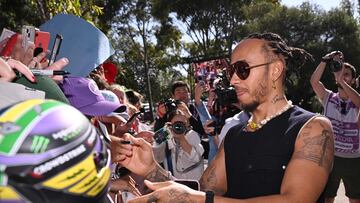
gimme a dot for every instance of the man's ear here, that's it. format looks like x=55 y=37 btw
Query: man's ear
x=277 y=70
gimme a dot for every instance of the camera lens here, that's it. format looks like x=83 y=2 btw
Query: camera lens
x=335 y=66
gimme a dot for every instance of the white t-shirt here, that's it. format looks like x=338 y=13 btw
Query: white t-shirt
x=184 y=160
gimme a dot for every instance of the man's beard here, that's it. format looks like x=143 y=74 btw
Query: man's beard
x=250 y=107
x=260 y=92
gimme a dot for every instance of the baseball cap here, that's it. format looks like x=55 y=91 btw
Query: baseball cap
x=110 y=96
x=13 y=93
x=46 y=84
x=84 y=94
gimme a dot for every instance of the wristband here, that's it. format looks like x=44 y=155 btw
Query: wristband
x=209 y=197
x=325 y=60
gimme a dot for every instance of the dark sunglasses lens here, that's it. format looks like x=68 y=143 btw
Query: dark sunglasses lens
x=240 y=68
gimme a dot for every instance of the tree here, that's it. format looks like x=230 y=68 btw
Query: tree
x=136 y=34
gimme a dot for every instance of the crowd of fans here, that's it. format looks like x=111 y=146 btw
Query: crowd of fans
x=82 y=139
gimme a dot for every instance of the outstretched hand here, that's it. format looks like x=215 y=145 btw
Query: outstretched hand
x=8 y=66
x=170 y=191
x=137 y=157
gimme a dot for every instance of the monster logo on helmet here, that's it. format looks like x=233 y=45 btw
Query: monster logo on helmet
x=52 y=156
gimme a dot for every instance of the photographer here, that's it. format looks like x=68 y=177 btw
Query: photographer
x=180 y=99
x=184 y=147
x=342 y=108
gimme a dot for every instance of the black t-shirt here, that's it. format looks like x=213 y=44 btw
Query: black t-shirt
x=256 y=161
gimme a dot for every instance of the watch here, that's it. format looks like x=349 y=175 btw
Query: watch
x=209 y=197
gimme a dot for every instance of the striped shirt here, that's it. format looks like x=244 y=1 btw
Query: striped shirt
x=343 y=115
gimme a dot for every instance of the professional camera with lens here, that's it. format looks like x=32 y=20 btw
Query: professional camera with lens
x=170 y=104
x=223 y=106
x=335 y=65
x=226 y=94
x=334 y=60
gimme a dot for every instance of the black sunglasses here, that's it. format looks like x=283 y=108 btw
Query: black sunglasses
x=242 y=69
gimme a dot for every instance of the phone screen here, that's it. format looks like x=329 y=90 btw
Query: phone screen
x=193 y=184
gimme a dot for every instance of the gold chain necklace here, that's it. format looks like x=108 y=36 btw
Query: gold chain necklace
x=256 y=126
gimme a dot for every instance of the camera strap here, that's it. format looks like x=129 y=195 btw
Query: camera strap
x=177 y=149
x=168 y=158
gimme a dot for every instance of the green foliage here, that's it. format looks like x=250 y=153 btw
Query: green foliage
x=149 y=43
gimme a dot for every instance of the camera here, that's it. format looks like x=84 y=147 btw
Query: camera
x=335 y=65
x=170 y=104
x=334 y=60
x=179 y=127
x=226 y=94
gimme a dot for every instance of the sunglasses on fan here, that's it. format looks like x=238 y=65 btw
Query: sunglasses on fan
x=242 y=69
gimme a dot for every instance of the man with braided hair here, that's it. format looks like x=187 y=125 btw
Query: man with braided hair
x=282 y=153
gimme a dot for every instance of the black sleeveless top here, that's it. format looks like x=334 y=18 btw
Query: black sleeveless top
x=256 y=161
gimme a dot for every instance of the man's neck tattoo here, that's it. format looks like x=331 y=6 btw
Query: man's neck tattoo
x=277 y=98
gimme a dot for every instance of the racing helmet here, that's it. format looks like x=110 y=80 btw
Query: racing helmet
x=50 y=152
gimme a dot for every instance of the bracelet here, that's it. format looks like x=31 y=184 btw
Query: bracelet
x=209 y=197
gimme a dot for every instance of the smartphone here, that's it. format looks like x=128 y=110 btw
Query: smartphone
x=161 y=135
x=41 y=42
x=28 y=33
x=9 y=45
x=55 y=49
x=126 y=196
x=132 y=118
x=6 y=33
x=193 y=184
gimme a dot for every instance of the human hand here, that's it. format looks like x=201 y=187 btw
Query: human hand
x=170 y=191
x=7 y=72
x=58 y=65
x=183 y=107
x=337 y=55
x=209 y=129
x=146 y=135
x=26 y=56
x=126 y=183
x=200 y=88
x=137 y=157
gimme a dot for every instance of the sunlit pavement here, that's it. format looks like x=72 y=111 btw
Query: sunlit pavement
x=341 y=198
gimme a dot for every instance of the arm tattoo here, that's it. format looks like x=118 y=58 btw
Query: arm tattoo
x=173 y=195
x=209 y=181
x=159 y=174
x=318 y=149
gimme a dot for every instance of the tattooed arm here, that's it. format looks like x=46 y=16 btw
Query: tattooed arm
x=312 y=161
x=214 y=177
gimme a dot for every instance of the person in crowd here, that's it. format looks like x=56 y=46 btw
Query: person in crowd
x=181 y=94
x=342 y=108
x=120 y=93
x=282 y=153
x=204 y=115
x=182 y=155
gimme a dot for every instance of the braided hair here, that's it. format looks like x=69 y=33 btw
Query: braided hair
x=294 y=57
